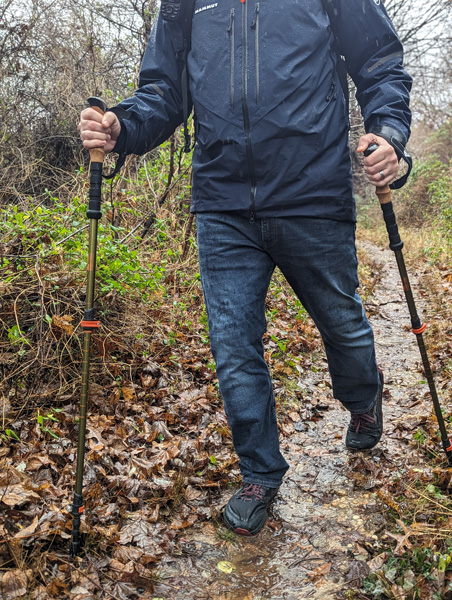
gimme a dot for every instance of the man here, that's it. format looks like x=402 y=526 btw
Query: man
x=272 y=185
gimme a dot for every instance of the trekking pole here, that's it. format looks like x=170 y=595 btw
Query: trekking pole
x=89 y=324
x=418 y=328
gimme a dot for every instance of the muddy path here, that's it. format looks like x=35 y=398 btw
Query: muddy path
x=324 y=525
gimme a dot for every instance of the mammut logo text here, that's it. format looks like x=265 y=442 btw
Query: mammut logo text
x=198 y=10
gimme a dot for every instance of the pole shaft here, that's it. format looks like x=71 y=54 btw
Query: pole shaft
x=82 y=414
x=416 y=324
x=94 y=213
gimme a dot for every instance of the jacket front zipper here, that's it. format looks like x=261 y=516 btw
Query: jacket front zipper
x=246 y=115
x=255 y=26
x=232 y=50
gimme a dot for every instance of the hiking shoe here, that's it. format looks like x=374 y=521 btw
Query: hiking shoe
x=364 y=431
x=246 y=511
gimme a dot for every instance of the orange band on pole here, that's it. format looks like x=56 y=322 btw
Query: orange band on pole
x=90 y=324
x=421 y=329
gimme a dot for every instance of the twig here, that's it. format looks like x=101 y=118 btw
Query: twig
x=152 y=214
x=72 y=234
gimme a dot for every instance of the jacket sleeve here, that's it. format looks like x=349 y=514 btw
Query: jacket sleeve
x=374 y=57
x=155 y=110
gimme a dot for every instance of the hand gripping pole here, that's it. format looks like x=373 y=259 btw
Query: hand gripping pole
x=418 y=328
x=88 y=324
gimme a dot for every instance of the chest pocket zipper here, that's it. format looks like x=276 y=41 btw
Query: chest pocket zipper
x=255 y=26
x=232 y=60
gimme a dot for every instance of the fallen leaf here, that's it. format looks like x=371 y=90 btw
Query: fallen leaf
x=181 y=523
x=141 y=533
x=225 y=566
x=398 y=592
x=377 y=562
x=192 y=493
x=121 y=567
x=403 y=542
x=14 y=584
x=63 y=323
x=128 y=393
x=17 y=495
x=27 y=530
x=295 y=417
x=319 y=571
x=125 y=554
x=357 y=571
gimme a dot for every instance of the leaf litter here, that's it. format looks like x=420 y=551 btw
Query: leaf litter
x=160 y=466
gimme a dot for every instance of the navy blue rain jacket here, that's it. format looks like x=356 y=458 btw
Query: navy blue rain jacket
x=271 y=117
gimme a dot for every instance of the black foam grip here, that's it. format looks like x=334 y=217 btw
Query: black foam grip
x=95 y=189
x=395 y=242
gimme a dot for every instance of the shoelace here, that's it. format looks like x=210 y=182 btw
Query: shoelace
x=252 y=492
x=363 y=422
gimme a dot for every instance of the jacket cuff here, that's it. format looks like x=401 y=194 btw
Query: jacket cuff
x=389 y=133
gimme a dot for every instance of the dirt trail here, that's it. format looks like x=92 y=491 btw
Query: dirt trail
x=327 y=515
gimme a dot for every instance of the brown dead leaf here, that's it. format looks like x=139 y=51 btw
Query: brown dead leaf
x=53 y=522
x=121 y=567
x=125 y=554
x=192 y=493
x=160 y=428
x=160 y=459
x=142 y=534
x=62 y=323
x=5 y=407
x=36 y=462
x=56 y=588
x=147 y=381
x=39 y=593
x=145 y=467
x=27 y=531
x=128 y=393
x=398 y=592
x=357 y=571
x=377 y=562
x=17 y=495
x=10 y=476
x=319 y=571
x=403 y=542
x=295 y=417
x=14 y=584
x=182 y=523
x=438 y=578
x=153 y=515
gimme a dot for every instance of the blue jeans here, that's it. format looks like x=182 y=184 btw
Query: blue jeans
x=318 y=259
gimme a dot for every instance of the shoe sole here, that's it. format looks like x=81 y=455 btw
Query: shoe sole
x=244 y=532
x=240 y=530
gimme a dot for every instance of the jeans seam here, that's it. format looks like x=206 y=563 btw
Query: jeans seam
x=266 y=483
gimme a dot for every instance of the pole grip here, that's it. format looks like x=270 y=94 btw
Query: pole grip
x=384 y=194
x=97 y=156
x=384 y=197
x=95 y=191
x=395 y=242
